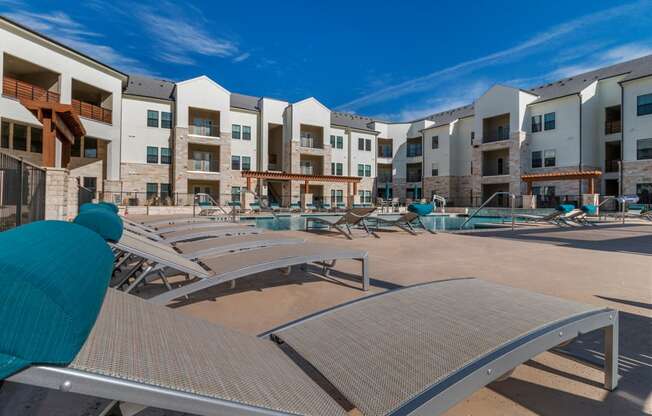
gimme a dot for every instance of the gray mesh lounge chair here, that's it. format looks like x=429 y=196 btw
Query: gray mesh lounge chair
x=552 y=218
x=343 y=223
x=183 y=226
x=455 y=337
x=156 y=257
x=207 y=231
x=403 y=221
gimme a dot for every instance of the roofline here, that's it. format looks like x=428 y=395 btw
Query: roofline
x=634 y=79
x=374 y=132
x=138 y=96
x=61 y=45
x=554 y=98
x=248 y=110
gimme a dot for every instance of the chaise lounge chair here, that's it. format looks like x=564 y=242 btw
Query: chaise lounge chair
x=343 y=223
x=456 y=337
x=403 y=221
x=175 y=233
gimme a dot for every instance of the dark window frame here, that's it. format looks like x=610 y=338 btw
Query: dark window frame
x=549 y=121
x=151 y=157
x=539 y=159
x=434 y=142
x=32 y=148
x=242 y=162
x=645 y=108
x=90 y=152
x=536 y=125
x=360 y=143
x=235 y=162
x=645 y=153
x=5 y=134
x=150 y=119
x=166 y=123
x=246 y=133
x=23 y=140
x=236 y=133
x=546 y=159
x=167 y=158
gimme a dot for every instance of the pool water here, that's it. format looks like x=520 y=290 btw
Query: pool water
x=432 y=222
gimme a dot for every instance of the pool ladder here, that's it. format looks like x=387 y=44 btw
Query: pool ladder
x=441 y=199
x=484 y=204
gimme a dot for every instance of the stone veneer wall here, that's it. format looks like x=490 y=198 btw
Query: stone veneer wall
x=57 y=184
x=635 y=172
x=135 y=176
x=440 y=185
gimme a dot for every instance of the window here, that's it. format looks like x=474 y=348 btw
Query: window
x=5 y=135
x=332 y=140
x=360 y=143
x=152 y=118
x=339 y=142
x=435 y=142
x=644 y=105
x=152 y=154
x=336 y=169
x=235 y=162
x=365 y=197
x=435 y=169
x=235 y=131
x=536 y=124
x=537 y=162
x=644 y=192
x=75 y=149
x=90 y=183
x=367 y=171
x=246 y=132
x=90 y=147
x=414 y=149
x=549 y=158
x=152 y=190
x=643 y=149
x=166 y=122
x=166 y=156
x=472 y=137
x=549 y=121
x=367 y=145
x=360 y=170
x=20 y=137
x=36 y=142
x=166 y=191
x=246 y=163
x=235 y=194
x=337 y=196
x=612 y=122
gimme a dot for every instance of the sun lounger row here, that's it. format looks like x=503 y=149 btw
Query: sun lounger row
x=415 y=350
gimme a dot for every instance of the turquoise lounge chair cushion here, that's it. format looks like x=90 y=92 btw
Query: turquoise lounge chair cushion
x=53 y=275
x=105 y=223
x=420 y=209
x=589 y=209
x=566 y=208
x=100 y=205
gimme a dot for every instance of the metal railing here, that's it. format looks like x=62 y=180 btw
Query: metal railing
x=203 y=165
x=92 y=111
x=22 y=192
x=612 y=165
x=209 y=131
x=611 y=127
x=23 y=90
x=84 y=195
x=511 y=196
x=310 y=142
x=441 y=199
x=307 y=170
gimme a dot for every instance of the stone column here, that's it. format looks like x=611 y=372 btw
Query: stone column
x=56 y=194
x=529 y=201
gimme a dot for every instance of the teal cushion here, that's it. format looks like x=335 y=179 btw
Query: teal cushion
x=566 y=208
x=589 y=209
x=107 y=224
x=100 y=205
x=421 y=209
x=53 y=276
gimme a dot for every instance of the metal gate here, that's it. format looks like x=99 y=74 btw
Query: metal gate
x=22 y=192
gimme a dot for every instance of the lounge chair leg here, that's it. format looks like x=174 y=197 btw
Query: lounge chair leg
x=365 y=273
x=131 y=409
x=108 y=410
x=164 y=279
x=611 y=354
x=139 y=279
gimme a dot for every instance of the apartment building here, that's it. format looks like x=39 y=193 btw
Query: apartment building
x=140 y=140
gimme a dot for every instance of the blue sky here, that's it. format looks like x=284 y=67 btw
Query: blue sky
x=392 y=60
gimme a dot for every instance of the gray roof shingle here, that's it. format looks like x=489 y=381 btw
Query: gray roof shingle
x=352 y=121
x=448 y=116
x=149 y=87
x=246 y=102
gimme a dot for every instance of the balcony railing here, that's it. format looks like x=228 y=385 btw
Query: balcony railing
x=310 y=142
x=495 y=172
x=210 y=131
x=204 y=165
x=384 y=178
x=22 y=90
x=307 y=170
x=273 y=166
x=92 y=111
x=611 y=166
x=385 y=152
x=501 y=134
x=611 y=127
x=413 y=178
x=414 y=150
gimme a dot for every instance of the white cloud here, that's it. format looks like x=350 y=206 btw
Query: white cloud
x=242 y=57
x=604 y=58
x=555 y=33
x=180 y=39
x=73 y=34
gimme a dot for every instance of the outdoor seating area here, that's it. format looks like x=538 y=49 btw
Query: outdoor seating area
x=136 y=273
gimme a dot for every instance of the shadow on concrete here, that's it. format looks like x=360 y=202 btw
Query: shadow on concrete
x=642 y=305
x=635 y=370
x=628 y=238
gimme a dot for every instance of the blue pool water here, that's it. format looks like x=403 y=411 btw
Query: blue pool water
x=432 y=222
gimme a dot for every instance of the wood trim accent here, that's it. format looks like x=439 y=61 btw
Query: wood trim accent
x=299 y=177
x=561 y=176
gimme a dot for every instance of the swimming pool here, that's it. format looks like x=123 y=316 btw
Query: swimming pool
x=432 y=222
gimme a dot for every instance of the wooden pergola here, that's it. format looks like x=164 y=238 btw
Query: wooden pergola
x=306 y=179
x=589 y=175
x=60 y=122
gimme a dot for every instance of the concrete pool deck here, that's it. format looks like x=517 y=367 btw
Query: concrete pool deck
x=609 y=265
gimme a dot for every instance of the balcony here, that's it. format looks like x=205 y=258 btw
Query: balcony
x=204 y=165
x=310 y=142
x=612 y=127
x=209 y=131
x=612 y=166
x=496 y=128
x=414 y=150
x=413 y=177
x=92 y=111
x=384 y=178
x=307 y=170
x=22 y=90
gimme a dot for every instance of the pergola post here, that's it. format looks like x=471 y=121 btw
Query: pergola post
x=249 y=184
x=529 y=187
